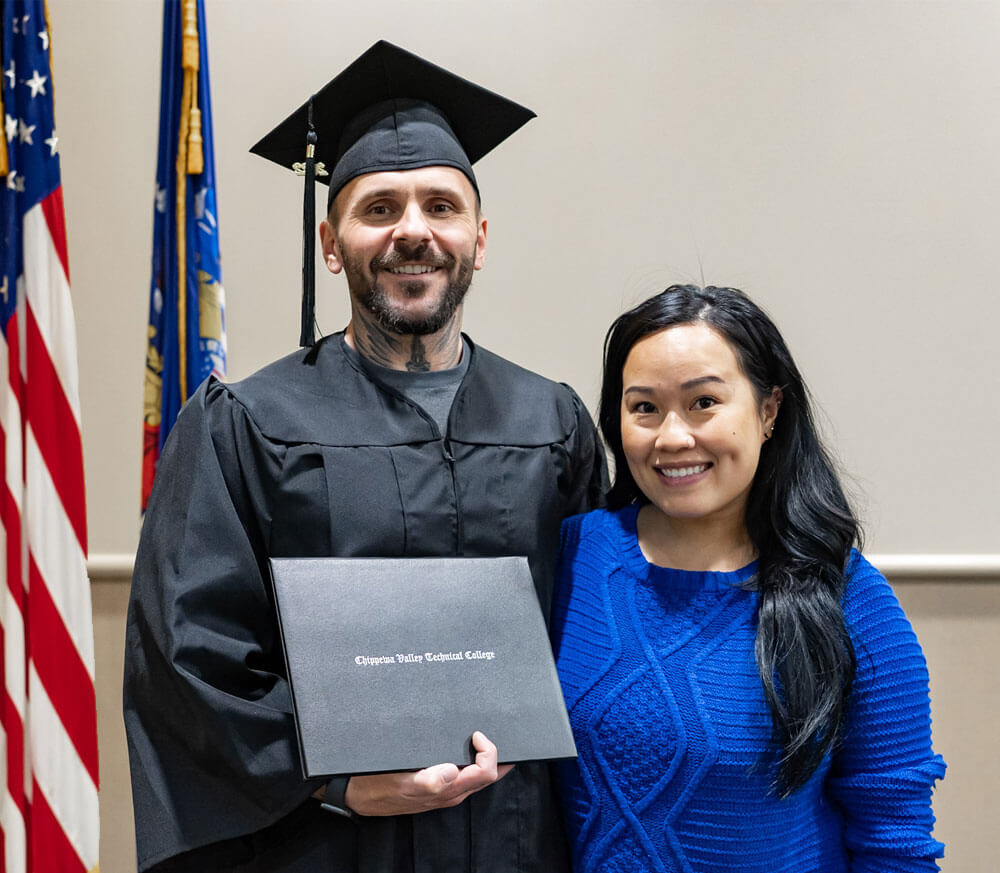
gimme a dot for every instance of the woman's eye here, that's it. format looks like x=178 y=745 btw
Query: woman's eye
x=643 y=407
x=703 y=403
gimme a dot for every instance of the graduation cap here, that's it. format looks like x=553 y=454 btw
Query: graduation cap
x=389 y=110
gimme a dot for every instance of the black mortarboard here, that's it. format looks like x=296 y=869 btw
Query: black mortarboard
x=389 y=110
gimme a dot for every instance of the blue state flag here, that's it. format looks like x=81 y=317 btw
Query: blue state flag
x=186 y=332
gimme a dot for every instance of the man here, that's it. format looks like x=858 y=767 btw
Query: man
x=397 y=437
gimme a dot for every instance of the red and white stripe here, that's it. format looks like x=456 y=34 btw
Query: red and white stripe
x=48 y=805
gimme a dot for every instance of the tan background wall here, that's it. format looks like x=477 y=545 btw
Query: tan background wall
x=836 y=160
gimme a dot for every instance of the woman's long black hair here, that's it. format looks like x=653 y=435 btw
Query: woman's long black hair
x=797 y=517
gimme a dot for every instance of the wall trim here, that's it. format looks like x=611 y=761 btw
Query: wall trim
x=110 y=566
x=950 y=566
x=898 y=567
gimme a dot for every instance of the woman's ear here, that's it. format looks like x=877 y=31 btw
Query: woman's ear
x=769 y=410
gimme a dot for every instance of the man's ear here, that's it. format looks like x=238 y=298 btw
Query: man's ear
x=477 y=264
x=331 y=248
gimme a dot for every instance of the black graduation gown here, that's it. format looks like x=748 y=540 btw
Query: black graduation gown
x=311 y=457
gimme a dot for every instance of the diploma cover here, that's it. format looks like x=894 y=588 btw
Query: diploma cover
x=395 y=662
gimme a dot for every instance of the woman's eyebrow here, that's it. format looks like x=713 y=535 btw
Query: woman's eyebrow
x=701 y=380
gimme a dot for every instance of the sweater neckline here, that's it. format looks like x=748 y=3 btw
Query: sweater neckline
x=635 y=561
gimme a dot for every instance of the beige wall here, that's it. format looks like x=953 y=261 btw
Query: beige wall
x=836 y=160
x=959 y=628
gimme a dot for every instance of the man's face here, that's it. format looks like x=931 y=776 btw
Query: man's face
x=408 y=242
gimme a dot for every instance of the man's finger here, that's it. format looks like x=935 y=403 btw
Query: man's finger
x=487 y=755
x=486 y=752
x=436 y=779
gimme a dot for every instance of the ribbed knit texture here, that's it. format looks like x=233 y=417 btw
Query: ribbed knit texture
x=676 y=758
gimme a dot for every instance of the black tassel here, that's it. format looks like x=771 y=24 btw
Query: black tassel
x=307 y=333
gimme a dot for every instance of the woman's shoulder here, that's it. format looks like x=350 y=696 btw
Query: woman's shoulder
x=883 y=638
x=860 y=567
x=868 y=596
x=599 y=541
x=867 y=590
x=597 y=525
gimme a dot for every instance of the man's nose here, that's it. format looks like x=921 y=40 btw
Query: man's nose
x=412 y=226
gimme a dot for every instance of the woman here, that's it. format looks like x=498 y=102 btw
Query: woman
x=745 y=690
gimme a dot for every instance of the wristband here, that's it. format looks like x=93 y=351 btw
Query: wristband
x=334 y=800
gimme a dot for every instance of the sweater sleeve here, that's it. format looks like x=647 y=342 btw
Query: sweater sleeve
x=884 y=770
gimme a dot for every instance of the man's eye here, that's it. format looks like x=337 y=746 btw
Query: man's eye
x=441 y=208
x=380 y=209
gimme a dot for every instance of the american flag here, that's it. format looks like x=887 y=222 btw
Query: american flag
x=48 y=741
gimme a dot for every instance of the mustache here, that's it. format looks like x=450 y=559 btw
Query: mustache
x=403 y=255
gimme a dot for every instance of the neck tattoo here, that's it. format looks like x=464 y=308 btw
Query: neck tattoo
x=439 y=351
x=376 y=343
x=418 y=362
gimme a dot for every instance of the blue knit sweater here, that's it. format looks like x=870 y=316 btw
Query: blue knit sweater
x=676 y=759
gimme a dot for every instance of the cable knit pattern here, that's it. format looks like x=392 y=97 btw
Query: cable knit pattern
x=676 y=759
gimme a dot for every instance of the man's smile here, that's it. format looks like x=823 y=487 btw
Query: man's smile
x=413 y=269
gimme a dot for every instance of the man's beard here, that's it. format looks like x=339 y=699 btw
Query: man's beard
x=373 y=297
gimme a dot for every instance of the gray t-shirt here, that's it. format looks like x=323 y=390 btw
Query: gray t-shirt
x=433 y=391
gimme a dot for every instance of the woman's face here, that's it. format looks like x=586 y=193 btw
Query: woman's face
x=692 y=424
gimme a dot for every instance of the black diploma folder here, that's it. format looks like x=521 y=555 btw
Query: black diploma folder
x=395 y=662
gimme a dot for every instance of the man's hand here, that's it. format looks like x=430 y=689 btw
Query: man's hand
x=432 y=788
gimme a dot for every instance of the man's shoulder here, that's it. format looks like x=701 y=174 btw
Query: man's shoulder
x=526 y=385
x=505 y=368
x=304 y=371
x=503 y=401
x=310 y=395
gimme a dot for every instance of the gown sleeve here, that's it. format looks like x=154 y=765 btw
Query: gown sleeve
x=884 y=770
x=590 y=469
x=207 y=707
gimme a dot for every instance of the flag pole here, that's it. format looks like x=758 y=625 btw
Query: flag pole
x=189 y=99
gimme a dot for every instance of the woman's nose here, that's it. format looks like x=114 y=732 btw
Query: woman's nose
x=674 y=434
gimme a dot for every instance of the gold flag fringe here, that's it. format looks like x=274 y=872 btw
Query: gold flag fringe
x=52 y=63
x=52 y=60
x=189 y=62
